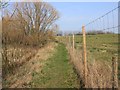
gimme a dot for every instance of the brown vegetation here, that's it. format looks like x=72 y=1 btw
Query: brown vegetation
x=29 y=24
x=22 y=76
x=25 y=29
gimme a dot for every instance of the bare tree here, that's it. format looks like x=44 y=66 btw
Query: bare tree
x=3 y=4
x=36 y=16
x=31 y=18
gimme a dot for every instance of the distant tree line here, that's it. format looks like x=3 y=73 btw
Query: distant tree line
x=95 y=32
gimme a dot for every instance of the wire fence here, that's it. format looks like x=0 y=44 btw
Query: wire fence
x=106 y=22
x=101 y=47
x=99 y=43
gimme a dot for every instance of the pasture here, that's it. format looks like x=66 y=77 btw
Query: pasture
x=100 y=50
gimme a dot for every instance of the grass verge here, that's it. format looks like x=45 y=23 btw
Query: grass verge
x=57 y=73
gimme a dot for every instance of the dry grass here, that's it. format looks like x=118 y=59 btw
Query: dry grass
x=23 y=76
x=99 y=73
x=15 y=57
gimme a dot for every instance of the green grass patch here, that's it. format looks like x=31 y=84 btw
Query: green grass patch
x=100 y=47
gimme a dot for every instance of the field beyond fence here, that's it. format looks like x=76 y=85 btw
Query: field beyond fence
x=94 y=51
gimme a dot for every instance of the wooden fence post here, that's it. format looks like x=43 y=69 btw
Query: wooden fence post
x=84 y=54
x=73 y=42
x=69 y=41
x=114 y=73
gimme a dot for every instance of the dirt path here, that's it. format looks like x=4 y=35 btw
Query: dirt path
x=57 y=73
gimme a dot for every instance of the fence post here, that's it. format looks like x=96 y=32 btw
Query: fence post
x=84 y=54
x=114 y=73
x=73 y=41
x=69 y=41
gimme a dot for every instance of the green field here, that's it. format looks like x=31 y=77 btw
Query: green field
x=100 y=47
